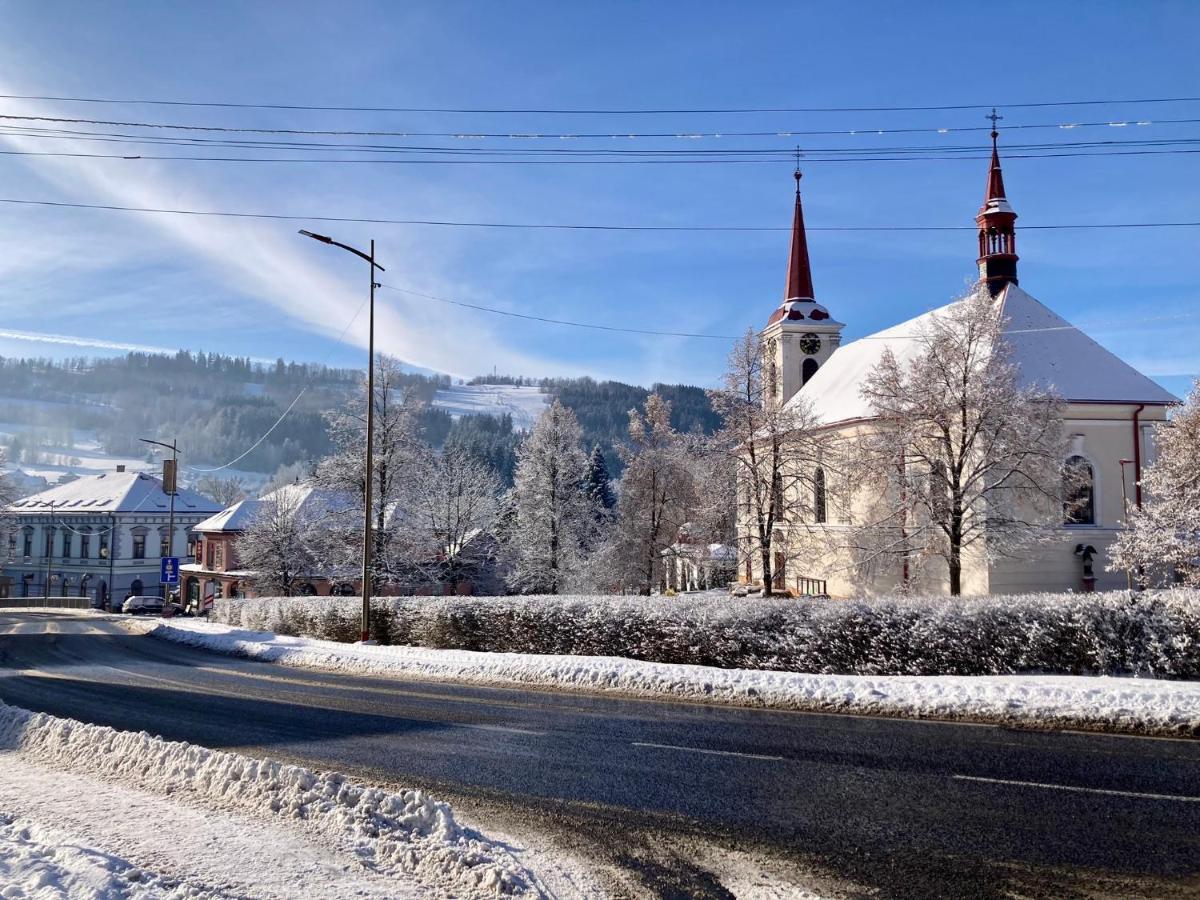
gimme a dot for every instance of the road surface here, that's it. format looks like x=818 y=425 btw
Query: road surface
x=879 y=807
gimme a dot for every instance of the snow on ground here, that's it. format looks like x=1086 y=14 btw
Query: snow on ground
x=178 y=820
x=524 y=404
x=1140 y=705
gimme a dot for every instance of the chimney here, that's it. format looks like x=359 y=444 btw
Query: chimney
x=120 y=467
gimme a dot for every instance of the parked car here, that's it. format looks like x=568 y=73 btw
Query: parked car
x=135 y=605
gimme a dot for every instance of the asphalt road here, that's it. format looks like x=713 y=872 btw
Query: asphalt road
x=877 y=807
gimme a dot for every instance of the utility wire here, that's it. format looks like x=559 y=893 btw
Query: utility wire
x=597 y=111
x=564 y=226
x=607 y=135
x=779 y=156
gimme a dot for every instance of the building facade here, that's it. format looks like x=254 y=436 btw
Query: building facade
x=1110 y=411
x=100 y=537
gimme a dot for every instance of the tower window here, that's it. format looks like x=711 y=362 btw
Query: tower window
x=808 y=370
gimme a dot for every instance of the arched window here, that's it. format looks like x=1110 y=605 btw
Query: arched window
x=777 y=495
x=808 y=370
x=1079 y=492
x=819 y=495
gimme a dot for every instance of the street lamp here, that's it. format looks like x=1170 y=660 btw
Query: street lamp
x=370 y=449
x=170 y=487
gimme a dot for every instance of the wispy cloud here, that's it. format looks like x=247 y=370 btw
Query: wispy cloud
x=41 y=337
x=254 y=260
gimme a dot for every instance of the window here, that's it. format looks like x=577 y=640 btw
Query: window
x=139 y=546
x=28 y=544
x=777 y=494
x=164 y=544
x=819 y=495
x=49 y=542
x=12 y=544
x=85 y=546
x=1079 y=492
x=104 y=545
x=66 y=545
x=220 y=558
x=808 y=370
x=209 y=543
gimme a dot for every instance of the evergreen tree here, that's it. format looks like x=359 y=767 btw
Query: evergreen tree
x=599 y=484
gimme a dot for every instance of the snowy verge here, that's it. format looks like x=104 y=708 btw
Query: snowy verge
x=406 y=834
x=37 y=861
x=1135 y=705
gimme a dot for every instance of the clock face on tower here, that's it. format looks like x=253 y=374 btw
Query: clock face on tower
x=810 y=344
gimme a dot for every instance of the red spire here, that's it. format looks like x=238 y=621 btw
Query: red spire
x=995 y=181
x=799 y=275
x=997 y=226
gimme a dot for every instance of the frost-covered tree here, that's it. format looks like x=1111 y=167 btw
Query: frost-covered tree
x=658 y=495
x=1162 y=541
x=397 y=444
x=448 y=511
x=278 y=546
x=226 y=491
x=962 y=458
x=598 y=482
x=773 y=448
x=553 y=516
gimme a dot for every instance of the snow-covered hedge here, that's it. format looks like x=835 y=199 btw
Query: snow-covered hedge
x=1154 y=634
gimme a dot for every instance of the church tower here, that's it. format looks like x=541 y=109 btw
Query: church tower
x=800 y=335
x=997 y=228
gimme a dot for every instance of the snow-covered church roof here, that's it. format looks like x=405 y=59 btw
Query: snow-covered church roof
x=113 y=492
x=1048 y=350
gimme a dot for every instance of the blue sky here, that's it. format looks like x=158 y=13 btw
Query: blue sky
x=256 y=288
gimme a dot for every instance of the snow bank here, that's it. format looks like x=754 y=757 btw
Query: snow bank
x=36 y=862
x=404 y=833
x=1119 y=704
x=1153 y=634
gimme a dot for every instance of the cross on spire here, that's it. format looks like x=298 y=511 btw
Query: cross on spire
x=995 y=118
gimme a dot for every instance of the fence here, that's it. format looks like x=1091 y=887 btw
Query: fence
x=45 y=603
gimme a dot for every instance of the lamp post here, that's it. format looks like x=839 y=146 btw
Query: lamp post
x=369 y=453
x=170 y=485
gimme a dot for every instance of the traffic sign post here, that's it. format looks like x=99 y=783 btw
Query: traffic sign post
x=169 y=573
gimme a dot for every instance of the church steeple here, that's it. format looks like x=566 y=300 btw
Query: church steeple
x=997 y=226
x=799 y=272
x=800 y=335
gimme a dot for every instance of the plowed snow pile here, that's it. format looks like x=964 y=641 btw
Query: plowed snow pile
x=404 y=834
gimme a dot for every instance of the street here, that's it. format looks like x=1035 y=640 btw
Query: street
x=881 y=807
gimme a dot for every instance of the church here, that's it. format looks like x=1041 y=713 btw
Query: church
x=1110 y=411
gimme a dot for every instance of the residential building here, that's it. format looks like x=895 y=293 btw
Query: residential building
x=99 y=536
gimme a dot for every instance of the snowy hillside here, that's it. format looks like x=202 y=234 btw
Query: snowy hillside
x=523 y=403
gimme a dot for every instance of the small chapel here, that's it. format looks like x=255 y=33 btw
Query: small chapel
x=1110 y=411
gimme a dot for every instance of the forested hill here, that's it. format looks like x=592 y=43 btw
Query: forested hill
x=218 y=406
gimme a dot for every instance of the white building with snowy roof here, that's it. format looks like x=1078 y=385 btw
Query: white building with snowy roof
x=99 y=536
x=1110 y=410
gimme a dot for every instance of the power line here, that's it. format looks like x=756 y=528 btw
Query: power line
x=324 y=146
x=779 y=156
x=597 y=111
x=524 y=135
x=564 y=226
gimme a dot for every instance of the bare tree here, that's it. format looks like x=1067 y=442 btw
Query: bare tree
x=397 y=443
x=553 y=514
x=226 y=491
x=277 y=547
x=449 y=508
x=961 y=457
x=1162 y=540
x=657 y=495
x=775 y=449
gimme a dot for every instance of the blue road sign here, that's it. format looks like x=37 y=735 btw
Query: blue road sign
x=169 y=573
